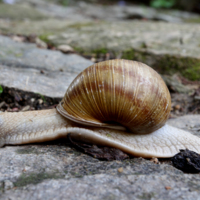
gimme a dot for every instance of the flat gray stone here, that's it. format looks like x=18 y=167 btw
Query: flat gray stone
x=48 y=83
x=56 y=171
x=26 y=67
x=188 y=122
x=169 y=48
x=29 y=56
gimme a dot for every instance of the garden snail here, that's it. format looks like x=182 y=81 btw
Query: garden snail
x=118 y=103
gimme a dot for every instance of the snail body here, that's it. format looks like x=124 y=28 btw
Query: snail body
x=119 y=103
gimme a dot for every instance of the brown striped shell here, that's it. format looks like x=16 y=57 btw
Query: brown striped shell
x=118 y=91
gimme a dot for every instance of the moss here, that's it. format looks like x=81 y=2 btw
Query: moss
x=90 y=52
x=76 y=175
x=27 y=151
x=100 y=51
x=42 y=97
x=64 y=2
x=1 y=89
x=193 y=20
x=128 y=54
x=79 y=50
x=186 y=66
x=110 y=197
x=192 y=73
x=80 y=25
x=45 y=38
x=19 y=55
x=167 y=64
x=1 y=187
x=34 y=178
x=11 y=53
x=132 y=54
x=146 y=195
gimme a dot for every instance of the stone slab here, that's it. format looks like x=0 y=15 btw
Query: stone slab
x=26 y=67
x=169 y=48
x=54 y=170
x=17 y=54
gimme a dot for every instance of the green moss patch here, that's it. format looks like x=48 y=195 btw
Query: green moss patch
x=186 y=66
x=34 y=178
x=167 y=64
x=80 y=25
x=100 y=51
x=193 y=20
x=45 y=38
x=27 y=151
x=146 y=195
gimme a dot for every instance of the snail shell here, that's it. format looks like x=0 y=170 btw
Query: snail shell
x=118 y=92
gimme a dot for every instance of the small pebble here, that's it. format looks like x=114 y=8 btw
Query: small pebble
x=25 y=108
x=32 y=100
x=197 y=97
x=2 y=104
x=177 y=107
x=120 y=170
x=93 y=59
x=40 y=101
x=41 y=43
x=155 y=160
x=65 y=48
x=168 y=188
x=15 y=109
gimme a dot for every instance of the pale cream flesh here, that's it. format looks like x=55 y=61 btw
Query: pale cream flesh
x=40 y=126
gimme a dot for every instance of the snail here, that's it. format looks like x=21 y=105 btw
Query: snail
x=118 y=103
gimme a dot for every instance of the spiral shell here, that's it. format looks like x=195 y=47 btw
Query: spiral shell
x=118 y=91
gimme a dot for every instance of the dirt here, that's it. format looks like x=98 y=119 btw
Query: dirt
x=14 y=100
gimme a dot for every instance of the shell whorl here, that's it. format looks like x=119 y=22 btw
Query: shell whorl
x=118 y=91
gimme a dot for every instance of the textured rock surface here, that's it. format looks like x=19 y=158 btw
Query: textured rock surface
x=167 y=47
x=188 y=122
x=56 y=171
x=26 y=67
x=176 y=51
